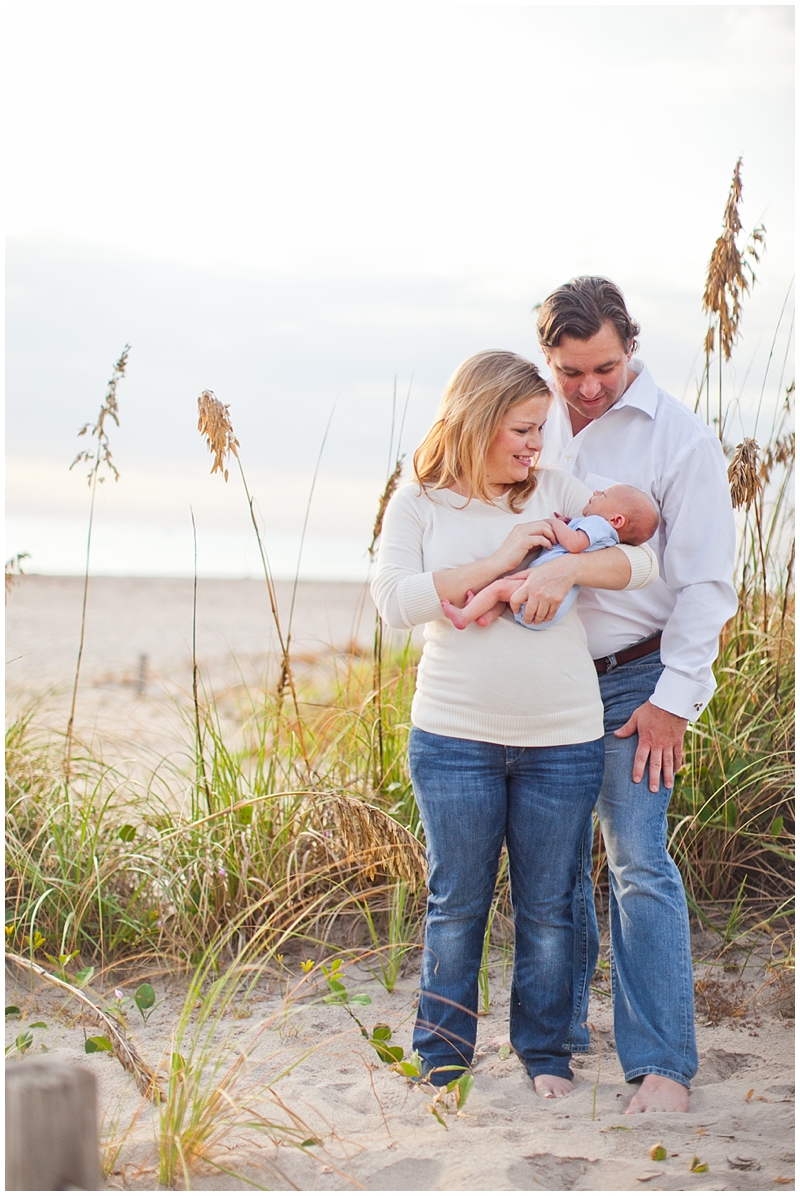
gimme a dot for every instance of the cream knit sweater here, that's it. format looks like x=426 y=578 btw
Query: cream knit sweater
x=498 y=684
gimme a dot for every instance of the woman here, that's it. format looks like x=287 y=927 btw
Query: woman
x=507 y=727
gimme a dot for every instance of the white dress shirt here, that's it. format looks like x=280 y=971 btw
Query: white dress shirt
x=650 y=440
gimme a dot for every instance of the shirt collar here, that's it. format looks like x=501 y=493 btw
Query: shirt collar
x=642 y=392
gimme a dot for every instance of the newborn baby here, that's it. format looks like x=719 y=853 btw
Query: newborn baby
x=619 y=515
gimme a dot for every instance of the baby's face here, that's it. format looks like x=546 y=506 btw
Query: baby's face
x=603 y=503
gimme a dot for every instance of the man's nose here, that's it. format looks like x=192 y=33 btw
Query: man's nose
x=591 y=387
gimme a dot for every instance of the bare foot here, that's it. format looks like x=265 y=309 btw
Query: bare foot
x=454 y=615
x=659 y=1094
x=552 y=1087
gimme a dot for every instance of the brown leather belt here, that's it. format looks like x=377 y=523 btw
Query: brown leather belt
x=643 y=648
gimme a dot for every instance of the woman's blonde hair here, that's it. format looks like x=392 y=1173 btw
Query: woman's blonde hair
x=480 y=392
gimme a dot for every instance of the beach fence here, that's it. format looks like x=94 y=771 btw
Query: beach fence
x=51 y=1128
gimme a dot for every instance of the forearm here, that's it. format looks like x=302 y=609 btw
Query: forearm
x=607 y=569
x=453 y=584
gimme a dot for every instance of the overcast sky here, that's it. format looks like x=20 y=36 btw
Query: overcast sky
x=298 y=205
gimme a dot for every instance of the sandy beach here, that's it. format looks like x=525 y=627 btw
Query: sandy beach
x=304 y=1062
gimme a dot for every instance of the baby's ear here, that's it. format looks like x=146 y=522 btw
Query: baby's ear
x=617 y=522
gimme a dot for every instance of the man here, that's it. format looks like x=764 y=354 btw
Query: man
x=653 y=650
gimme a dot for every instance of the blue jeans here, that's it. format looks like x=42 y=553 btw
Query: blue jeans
x=472 y=796
x=651 y=962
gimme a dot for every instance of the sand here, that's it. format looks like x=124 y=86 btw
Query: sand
x=374 y=1130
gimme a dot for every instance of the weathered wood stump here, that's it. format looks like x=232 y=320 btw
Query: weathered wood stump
x=51 y=1127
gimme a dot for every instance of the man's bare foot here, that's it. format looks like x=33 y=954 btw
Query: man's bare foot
x=659 y=1094
x=552 y=1087
x=454 y=615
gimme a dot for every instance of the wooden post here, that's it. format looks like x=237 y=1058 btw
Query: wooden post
x=51 y=1127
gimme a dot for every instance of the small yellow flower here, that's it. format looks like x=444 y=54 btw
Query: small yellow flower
x=307 y=965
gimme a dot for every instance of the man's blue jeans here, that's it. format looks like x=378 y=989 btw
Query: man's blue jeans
x=472 y=796
x=651 y=963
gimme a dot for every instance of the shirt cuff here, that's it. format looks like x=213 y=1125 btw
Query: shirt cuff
x=418 y=600
x=679 y=695
x=644 y=565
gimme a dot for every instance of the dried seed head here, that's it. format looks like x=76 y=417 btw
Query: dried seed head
x=730 y=275
x=215 y=424
x=389 y=490
x=373 y=839
x=743 y=473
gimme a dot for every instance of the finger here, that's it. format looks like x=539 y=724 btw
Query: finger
x=628 y=729
x=640 y=762
x=668 y=769
x=656 y=758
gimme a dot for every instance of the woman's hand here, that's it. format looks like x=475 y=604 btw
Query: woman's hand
x=544 y=589
x=548 y=585
x=522 y=540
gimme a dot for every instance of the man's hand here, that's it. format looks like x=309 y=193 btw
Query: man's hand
x=661 y=738
x=544 y=590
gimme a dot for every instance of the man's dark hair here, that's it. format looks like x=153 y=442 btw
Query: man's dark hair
x=580 y=309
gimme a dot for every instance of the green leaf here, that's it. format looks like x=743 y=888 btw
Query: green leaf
x=463 y=1087
x=310 y=1142
x=388 y=1054
x=408 y=1069
x=127 y=833
x=83 y=977
x=432 y=1109
x=776 y=827
x=23 y=1042
x=246 y=815
x=177 y=1062
x=381 y=1032
x=503 y=1051
x=144 y=997
x=13 y=1011
x=37 y=1025
x=657 y=1153
x=98 y=1042
x=361 y=999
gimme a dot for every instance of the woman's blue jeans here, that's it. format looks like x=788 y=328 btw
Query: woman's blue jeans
x=472 y=796
x=651 y=961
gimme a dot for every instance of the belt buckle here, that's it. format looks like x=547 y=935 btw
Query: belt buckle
x=611 y=663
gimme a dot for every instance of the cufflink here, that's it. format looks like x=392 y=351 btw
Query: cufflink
x=698 y=705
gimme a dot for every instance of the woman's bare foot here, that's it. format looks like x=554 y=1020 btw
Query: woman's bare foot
x=659 y=1094
x=552 y=1087
x=454 y=615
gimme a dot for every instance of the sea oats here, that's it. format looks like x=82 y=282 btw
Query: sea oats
x=389 y=490
x=730 y=273
x=743 y=473
x=375 y=840
x=215 y=424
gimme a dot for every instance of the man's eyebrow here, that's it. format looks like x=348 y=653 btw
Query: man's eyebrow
x=604 y=365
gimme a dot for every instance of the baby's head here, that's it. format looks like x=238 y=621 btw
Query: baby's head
x=631 y=512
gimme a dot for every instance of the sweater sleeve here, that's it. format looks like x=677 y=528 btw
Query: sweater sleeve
x=402 y=590
x=643 y=563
